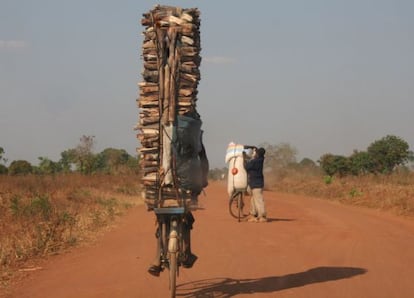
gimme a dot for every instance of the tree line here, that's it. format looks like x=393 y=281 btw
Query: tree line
x=382 y=156
x=81 y=159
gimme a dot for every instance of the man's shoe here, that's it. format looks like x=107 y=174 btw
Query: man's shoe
x=262 y=219
x=189 y=262
x=252 y=219
x=154 y=270
x=249 y=217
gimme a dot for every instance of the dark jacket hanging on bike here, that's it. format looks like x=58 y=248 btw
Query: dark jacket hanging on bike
x=254 y=168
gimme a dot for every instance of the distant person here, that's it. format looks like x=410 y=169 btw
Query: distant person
x=254 y=168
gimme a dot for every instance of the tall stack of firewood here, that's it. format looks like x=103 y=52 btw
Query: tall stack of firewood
x=171 y=60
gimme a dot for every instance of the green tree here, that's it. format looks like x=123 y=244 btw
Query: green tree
x=2 y=159
x=388 y=153
x=47 y=166
x=133 y=164
x=85 y=154
x=82 y=156
x=20 y=167
x=111 y=160
x=68 y=159
x=360 y=163
x=3 y=170
x=335 y=164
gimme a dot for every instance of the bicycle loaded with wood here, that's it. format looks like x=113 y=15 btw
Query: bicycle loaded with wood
x=173 y=159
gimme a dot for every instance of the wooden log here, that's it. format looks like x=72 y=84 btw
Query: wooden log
x=173 y=62
x=149 y=120
x=187 y=17
x=150 y=75
x=184 y=99
x=148 y=138
x=148 y=163
x=196 y=59
x=149 y=183
x=149 y=112
x=148 y=142
x=150 y=44
x=148 y=93
x=189 y=51
x=148 y=101
x=147 y=84
x=150 y=57
x=184 y=83
x=186 y=91
x=187 y=40
x=148 y=104
x=188 y=29
x=147 y=155
x=149 y=171
x=151 y=65
x=149 y=131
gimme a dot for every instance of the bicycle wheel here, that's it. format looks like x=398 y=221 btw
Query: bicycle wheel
x=173 y=268
x=237 y=206
x=233 y=205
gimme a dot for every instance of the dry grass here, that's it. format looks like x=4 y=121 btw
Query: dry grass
x=40 y=215
x=394 y=193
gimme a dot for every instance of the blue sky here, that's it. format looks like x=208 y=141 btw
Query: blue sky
x=325 y=76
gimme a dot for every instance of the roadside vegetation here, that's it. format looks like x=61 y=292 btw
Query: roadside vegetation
x=48 y=208
x=46 y=214
x=380 y=177
x=393 y=192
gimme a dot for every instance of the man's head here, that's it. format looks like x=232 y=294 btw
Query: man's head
x=260 y=152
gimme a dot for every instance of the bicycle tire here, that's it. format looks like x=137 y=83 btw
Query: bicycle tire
x=237 y=206
x=240 y=205
x=173 y=270
x=233 y=209
x=173 y=264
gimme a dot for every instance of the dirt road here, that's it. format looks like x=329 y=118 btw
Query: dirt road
x=310 y=248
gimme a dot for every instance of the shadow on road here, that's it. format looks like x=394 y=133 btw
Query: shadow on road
x=269 y=219
x=227 y=287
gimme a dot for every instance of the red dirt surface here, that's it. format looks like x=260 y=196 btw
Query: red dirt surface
x=309 y=248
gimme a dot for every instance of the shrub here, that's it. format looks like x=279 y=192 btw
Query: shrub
x=3 y=170
x=20 y=167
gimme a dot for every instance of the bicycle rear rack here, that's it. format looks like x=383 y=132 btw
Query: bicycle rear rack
x=170 y=210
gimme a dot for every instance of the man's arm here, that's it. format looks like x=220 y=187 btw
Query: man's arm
x=249 y=147
x=251 y=164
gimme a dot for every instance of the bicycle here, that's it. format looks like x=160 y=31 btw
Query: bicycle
x=237 y=205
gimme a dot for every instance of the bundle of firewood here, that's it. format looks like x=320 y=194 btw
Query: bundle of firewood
x=171 y=60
